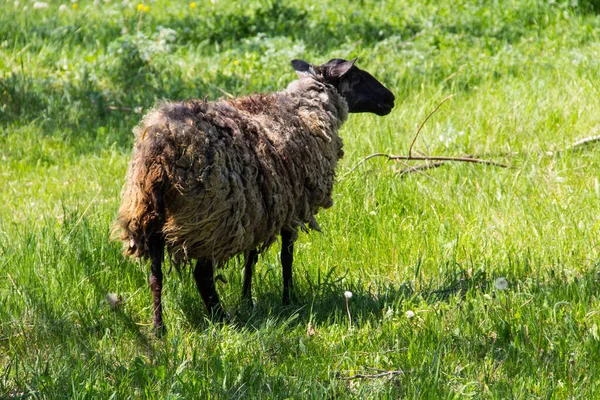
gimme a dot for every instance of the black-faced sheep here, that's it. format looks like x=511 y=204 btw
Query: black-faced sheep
x=211 y=180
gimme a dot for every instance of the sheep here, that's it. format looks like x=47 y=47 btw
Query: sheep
x=212 y=180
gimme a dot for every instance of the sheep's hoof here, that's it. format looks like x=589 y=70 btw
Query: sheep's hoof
x=217 y=314
x=159 y=330
x=247 y=302
x=289 y=299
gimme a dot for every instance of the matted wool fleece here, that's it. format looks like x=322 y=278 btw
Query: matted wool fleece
x=222 y=178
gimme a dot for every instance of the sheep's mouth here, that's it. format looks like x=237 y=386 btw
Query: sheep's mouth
x=384 y=109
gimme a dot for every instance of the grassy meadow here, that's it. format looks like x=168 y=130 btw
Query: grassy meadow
x=422 y=252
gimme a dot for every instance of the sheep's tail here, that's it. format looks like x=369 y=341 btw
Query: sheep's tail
x=142 y=213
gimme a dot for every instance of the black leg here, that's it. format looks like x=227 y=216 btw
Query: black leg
x=156 y=246
x=205 y=282
x=249 y=262
x=287 y=258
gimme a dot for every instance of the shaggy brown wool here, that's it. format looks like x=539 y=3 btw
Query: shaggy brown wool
x=222 y=178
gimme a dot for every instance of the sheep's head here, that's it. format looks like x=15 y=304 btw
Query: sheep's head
x=361 y=90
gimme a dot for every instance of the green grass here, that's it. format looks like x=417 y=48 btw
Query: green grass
x=525 y=78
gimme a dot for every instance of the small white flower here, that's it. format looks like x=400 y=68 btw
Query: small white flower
x=501 y=283
x=113 y=300
x=39 y=5
x=138 y=110
x=62 y=8
x=348 y=294
x=487 y=297
x=410 y=314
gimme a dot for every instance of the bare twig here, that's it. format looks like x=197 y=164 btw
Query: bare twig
x=580 y=143
x=421 y=168
x=369 y=353
x=418 y=169
x=442 y=158
x=423 y=124
x=367 y=158
x=585 y=141
x=430 y=158
x=385 y=374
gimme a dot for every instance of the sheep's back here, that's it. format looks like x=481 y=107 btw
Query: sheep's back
x=238 y=172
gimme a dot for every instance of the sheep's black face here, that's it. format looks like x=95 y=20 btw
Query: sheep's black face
x=361 y=90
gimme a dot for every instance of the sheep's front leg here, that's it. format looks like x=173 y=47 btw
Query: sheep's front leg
x=205 y=282
x=287 y=258
x=156 y=246
x=249 y=262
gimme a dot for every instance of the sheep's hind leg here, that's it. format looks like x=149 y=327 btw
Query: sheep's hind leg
x=287 y=258
x=156 y=246
x=249 y=262
x=205 y=282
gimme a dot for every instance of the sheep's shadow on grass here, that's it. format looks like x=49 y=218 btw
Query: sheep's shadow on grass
x=62 y=341
x=52 y=309
x=50 y=328
x=323 y=301
x=125 y=320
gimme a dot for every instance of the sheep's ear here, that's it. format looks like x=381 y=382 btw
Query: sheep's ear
x=339 y=70
x=303 y=68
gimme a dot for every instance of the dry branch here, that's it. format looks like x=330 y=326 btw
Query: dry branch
x=444 y=159
x=439 y=160
x=580 y=143
x=423 y=124
x=421 y=168
x=585 y=141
